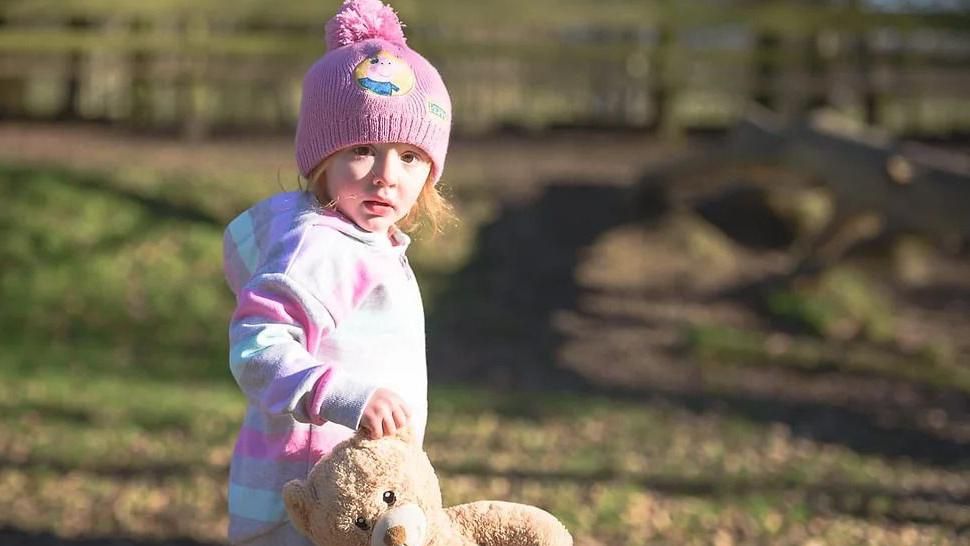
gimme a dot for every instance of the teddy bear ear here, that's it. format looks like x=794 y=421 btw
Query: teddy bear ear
x=297 y=502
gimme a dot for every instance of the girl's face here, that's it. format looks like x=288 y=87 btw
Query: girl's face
x=375 y=185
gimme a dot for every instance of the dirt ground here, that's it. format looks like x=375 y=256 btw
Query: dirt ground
x=592 y=285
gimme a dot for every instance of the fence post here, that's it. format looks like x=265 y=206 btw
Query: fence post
x=862 y=60
x=814 y=94
x=867 y=91
x=12 y=90
x=659 y=84
x=767 y=47
x=195 y=93
x=140 y=90
x=70 y=104
x=906 y=111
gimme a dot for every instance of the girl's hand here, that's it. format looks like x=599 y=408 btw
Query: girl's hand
x=384 y=414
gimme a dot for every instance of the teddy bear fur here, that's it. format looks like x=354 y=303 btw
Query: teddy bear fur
x=345 y=502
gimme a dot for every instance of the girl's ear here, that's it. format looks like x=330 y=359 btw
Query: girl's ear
x=296 y=498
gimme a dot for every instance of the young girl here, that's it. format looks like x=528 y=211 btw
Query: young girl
x=328 y=333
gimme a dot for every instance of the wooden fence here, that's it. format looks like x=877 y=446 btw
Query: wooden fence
x=214 y=65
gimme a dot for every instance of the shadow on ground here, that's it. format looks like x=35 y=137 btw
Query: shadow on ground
x=499 y=326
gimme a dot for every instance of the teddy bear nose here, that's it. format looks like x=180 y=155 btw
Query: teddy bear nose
x=396 y=536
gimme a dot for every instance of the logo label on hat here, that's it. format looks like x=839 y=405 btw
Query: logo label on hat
x=437 y=110
x=385 y=75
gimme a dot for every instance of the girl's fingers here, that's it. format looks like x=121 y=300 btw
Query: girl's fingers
x=395 y=420
x=373 y=432
x=385 y=415
x=390 y=429
x=401 y=417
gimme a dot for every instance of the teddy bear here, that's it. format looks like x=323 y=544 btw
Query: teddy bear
x=385 y=492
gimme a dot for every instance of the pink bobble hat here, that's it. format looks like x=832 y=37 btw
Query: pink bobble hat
x=371 y=87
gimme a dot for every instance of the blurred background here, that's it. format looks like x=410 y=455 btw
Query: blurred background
x=711 y=282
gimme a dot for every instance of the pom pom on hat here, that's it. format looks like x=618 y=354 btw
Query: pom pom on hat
x=360 y=20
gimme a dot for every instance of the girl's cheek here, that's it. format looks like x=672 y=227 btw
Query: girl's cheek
x=419 y=166
x=362 y=168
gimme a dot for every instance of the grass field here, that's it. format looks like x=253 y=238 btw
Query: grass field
x=95 y=456
x=117 y=416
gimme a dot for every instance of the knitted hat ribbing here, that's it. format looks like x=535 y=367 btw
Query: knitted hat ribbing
x=370 y=87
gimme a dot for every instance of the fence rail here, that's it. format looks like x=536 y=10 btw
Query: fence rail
x=210 y=65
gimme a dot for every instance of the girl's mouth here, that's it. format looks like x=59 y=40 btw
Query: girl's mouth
x=376 y=206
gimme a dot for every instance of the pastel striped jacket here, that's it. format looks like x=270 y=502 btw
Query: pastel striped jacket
x=325 y=314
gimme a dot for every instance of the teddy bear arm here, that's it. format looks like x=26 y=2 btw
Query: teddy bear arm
x=496 y=523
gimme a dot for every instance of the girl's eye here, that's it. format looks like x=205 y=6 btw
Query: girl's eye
x=411 y=157
x=361 y=523
x=390 y=497
x=361 y=150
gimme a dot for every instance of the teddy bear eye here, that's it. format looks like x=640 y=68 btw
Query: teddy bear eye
x=389 y=497
x=362 y=523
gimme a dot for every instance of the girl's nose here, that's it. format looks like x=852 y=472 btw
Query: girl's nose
x=385 y=171
x=382 y=180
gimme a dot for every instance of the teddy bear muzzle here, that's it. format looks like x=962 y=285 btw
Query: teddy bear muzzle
x=404 y=525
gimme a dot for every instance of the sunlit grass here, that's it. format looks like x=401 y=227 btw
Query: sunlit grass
x=122 y=275
x=93 y=267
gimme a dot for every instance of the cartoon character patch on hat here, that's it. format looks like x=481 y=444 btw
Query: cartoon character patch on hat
x=384 y=74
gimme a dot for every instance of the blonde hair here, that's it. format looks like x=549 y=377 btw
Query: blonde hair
x=431 y=210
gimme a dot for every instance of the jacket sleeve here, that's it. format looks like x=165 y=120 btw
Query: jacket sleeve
x=276 y=325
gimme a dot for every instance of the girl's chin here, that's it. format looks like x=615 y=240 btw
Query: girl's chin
x=375 y=225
